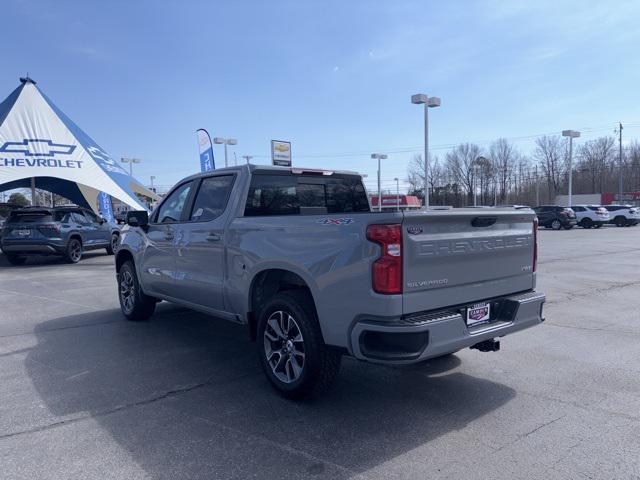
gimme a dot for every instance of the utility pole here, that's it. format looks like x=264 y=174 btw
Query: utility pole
x=247 y=158
x=620 y=190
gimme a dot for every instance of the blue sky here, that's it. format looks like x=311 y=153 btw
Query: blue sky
x=333 y=77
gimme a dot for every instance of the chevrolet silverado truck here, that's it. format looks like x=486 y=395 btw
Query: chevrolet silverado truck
x=298 y=257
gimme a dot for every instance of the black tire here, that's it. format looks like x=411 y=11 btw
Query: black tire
x=586 y=223
x=15 y=259
x=598 y=225
x=620 y=221
x=135 y=305
x=73 y=253
x=568 y=227
x=113 y=245
x=556 y=224
x=318 y=365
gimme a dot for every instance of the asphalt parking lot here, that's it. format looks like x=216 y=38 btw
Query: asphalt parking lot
x=85 y=394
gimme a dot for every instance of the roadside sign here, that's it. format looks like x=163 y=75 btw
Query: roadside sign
x=281 y=153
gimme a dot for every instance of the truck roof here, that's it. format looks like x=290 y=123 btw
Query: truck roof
x=252 y=168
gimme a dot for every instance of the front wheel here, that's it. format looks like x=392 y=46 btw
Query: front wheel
x=135 y=305
x=620 y=221
x=292 y=351
x=587 y=223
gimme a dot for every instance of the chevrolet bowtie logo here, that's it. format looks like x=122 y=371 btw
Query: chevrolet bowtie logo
x=37 y=147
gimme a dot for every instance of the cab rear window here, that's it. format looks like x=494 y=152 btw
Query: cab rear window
x=305 y=195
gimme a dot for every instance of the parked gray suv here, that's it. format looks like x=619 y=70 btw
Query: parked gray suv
x=299 y=258
x=64 y=231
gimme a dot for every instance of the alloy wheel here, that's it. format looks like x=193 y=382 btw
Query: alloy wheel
x=284 y=347
x=127 y=291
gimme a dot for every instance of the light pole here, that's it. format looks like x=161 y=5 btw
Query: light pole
x=429 y=102
x=225 y=142
x=397 y=193
x=130 y=161
x=152 y=178
x=571 y=134
x=379 y=156
x=247 y=158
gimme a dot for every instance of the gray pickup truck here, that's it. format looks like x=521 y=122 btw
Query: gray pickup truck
x=298 y=257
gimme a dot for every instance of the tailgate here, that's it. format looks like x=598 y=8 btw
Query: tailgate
x=459 y=256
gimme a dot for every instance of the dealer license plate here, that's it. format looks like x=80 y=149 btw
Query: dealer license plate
x=478 y=313
x=23 y=232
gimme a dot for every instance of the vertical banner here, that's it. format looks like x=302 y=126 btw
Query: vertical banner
x=206 y=151
x=281 y=153
x=105 y=207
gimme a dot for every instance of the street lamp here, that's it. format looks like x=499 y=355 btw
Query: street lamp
x=130 y=161
x=397 y=193
x=429 y=102
x=379 y=156
x=571 y=134
x=225 y=142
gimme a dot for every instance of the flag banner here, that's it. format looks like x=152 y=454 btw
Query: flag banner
x=105 y=208
x=206 y=151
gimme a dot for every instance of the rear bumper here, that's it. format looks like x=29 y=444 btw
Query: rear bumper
x=422 y=336
x=32 y=248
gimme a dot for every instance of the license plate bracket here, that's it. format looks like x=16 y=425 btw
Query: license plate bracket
x=478 y=313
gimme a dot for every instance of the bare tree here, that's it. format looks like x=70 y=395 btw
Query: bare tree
x=504 y=156
x=550 y=154
x=596 y=159
x=461 y=164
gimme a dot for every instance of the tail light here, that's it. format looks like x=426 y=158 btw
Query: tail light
x=50 y=230
x=535 y=244
x=387 y=270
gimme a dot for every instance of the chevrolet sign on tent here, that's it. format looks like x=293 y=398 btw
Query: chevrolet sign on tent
x=37 y=140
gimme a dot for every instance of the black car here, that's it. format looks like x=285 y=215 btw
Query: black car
x=65 y=231
x=556 y=217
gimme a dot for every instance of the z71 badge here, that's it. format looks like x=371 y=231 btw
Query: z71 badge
x=414 y=229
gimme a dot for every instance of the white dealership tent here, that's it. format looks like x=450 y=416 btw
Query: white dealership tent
x=40 y=146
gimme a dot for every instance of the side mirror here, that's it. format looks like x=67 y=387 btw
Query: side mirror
x=138 y=218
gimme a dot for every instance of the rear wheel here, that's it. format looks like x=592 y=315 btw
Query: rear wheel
x=113 y=244
x=587 y=223
x=73 y=254
x=292 y=351
x=556 y=225
x=598 y=225
x=620 y=221
x=15 y=259
x=135 y=305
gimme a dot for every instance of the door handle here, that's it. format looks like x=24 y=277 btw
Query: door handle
x=213 y=237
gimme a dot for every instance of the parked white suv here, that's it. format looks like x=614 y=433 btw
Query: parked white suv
x=624 y=215
x=591 y=216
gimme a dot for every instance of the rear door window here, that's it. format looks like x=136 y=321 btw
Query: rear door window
x=212 y=198
x=305 y=195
